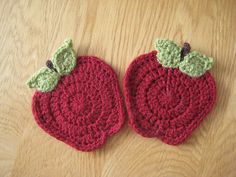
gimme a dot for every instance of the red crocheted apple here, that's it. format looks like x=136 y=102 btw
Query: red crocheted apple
x=169 y=92
x=78 y=100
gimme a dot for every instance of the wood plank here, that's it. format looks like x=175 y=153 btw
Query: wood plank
x=117 y=31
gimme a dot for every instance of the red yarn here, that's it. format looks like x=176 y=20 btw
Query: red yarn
x=85 y=108
x=164 y=102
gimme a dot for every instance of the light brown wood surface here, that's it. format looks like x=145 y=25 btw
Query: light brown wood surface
x=118 y=31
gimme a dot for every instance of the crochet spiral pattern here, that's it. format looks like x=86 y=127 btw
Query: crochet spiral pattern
x=85 y=107
x=164 y=102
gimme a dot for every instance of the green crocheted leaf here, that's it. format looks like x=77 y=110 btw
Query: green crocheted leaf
x=195 y=64
x=64 y=59
x=44 y=80
x=168 y=53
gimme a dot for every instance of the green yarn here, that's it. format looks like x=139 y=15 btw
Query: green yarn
x=63 y=61
x=195 y=64
x=168 y=53
x=44 y=80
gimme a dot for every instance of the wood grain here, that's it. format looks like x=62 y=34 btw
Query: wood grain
x=118 y=31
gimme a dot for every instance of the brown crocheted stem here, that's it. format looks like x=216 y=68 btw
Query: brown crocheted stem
x=185 y=50
x=49 y=64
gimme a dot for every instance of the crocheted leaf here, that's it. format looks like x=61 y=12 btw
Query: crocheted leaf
x=195 y=64
x=64 y=60
x=44 y=80
x=168 y=53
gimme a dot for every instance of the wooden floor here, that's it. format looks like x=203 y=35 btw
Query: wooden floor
x=118 y=31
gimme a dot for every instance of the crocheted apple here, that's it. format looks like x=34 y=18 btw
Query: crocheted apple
x=169 y=92
x=78 y=100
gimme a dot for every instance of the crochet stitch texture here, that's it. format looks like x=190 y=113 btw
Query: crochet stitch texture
x=85 y=108
x=164 y=102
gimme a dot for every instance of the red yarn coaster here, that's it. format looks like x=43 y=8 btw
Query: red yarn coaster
x=85 y=108
x=164 y=102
